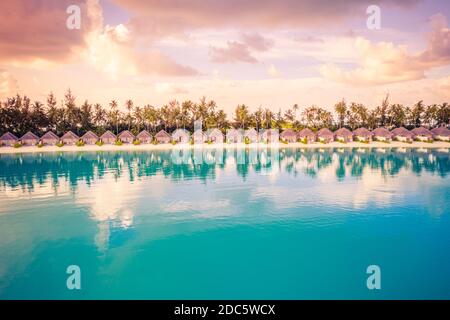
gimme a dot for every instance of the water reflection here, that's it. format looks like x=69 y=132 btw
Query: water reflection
x=25 y=171
x=178 y=185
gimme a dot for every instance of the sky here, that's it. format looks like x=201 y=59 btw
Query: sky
x=269 y=53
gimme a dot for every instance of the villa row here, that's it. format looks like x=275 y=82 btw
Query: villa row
x=182 y=136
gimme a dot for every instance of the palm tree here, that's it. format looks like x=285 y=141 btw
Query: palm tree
x=114 y=115
x=99 y=117
x=341 y=110
x=129 y=107
x=241 y=115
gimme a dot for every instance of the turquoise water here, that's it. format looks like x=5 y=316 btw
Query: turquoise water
x=226 y=224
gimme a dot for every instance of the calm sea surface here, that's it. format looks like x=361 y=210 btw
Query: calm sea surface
x=226 y=224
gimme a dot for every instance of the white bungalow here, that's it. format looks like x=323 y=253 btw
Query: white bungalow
x=199 y=137
x=235 y=136
x=270 y=136
x=252 y=135
x=8 y=139
x=215 y=136
x=29 y=139
x=181 y=136
x=441 y=133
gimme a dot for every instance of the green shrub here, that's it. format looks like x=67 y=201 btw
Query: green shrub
x=79 y=143
x=39 y=144
x=17 y=145
x=136 y=142
x=99 y=143
x=154 y=142
x=60 y=144
x=173 y=142
x=304 y=141
x=118 y=142
x=284 y=141
x=246 y=140
x=209 y=141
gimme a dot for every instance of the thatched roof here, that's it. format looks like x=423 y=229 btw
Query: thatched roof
x=343 y=132
x=126 y=135
x=70 y=135
x=162 y=134
x=29 y=136
x=324 y=132
x=50 y=135
x=288 y=133
x=89 y=135
x=144 y=134
x=382 y=132
x=108 y=135
x=362 y=132
x=421 y=131
x=8 y=136
x=441 y=131
x=402 y=132
x=250 y=132
x=180 y=132
x=235 y=132
x=215 y=132
x=306 y=133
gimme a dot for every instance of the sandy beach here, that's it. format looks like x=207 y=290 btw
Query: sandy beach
x=147 y=147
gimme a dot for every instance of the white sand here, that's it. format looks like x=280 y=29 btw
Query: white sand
x=131 y=147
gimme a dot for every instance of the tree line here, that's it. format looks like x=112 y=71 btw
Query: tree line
x=19 y=114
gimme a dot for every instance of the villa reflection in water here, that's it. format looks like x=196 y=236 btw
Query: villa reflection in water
x=28 y=170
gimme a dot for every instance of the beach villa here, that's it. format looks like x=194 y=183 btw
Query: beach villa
x=70 y=138
x=163 y=137
x=199 y=137
x=181 y=136
x=144 y=137
x=235 y=136
x=270 y=136
x=49 y=139
x=362 y=134
x=8 y=139
x=307 y=135
x=126 y=137
x=441 y=133
x=89 y=138
x=108 y=137
x=343 y=135
x=215 y=135
x=422 y=134
x=325 y=135
x=382 y=134
x=29 y=139
x=251 y=135
x=289 y=135
x=402 y=134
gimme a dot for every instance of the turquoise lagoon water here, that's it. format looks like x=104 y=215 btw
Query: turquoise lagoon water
x=226 y=224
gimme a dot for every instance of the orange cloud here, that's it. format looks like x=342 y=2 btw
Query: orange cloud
x=8 y=84
x=384 y=62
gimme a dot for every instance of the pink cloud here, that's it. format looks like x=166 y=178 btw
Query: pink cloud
x=171 y=16
x=36 y=30
x=233 y=52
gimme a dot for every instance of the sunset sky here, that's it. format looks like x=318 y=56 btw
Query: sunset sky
x=270 y=53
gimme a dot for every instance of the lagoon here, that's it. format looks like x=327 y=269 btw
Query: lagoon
x=284 y=223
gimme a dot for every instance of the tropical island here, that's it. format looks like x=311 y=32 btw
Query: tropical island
x=27 y=123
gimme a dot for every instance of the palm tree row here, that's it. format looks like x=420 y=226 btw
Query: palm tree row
x=19 y=114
